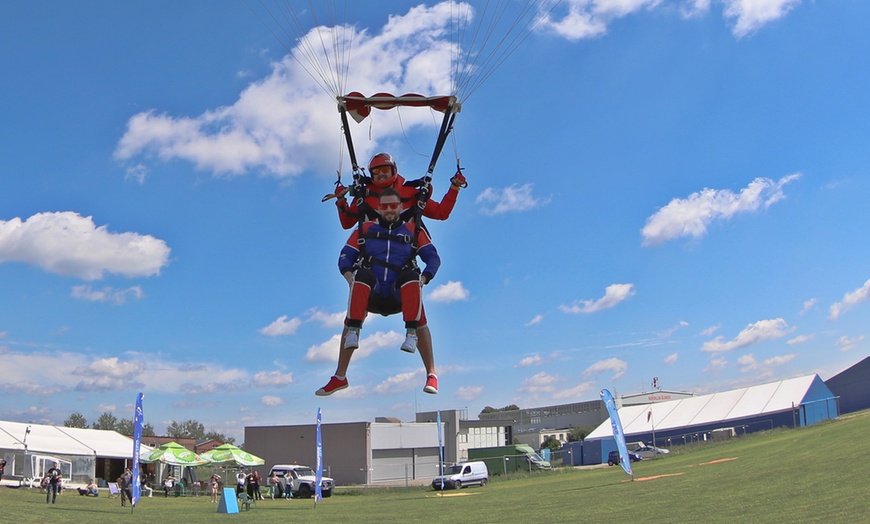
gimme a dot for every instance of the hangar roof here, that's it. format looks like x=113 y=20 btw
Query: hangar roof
x=717 y=407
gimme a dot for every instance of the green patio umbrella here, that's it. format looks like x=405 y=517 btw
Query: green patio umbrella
x=174 y=454
x=229 y=455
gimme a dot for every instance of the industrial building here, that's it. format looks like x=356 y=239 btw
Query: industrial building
x=851 y=387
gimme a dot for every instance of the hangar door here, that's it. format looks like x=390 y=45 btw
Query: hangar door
x=390 y=465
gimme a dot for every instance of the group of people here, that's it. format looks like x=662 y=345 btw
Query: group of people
x=52 y=482
x=249 y=484
x=379 y=260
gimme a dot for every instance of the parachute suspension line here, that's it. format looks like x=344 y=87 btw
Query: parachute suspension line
x=405 y=134
x=328 y=69
x=523 y=26
x=459 y=15
x=477 y=66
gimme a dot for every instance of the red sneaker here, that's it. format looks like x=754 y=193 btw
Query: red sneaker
x=331 y=387
x=431 y=384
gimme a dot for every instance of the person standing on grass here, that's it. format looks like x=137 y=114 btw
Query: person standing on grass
x=53 y=475
x=126 y=485
x=215 y=484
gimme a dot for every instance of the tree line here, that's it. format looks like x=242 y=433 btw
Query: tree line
x=185 y=429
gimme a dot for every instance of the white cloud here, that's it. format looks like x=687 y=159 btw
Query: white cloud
x=272 y=378
x=613 y=295
x=137 y=173
x=511 y=199
x=324 y=352
x=530 y=361
x=693 y=8
x=808 y=305
x=590 y=19
x=271 y=401
x=750 y=15
x=283 y=325
x=671 y=359
x=328 y=351
x=468 y=393
x=779 y=360
x=535 y=320
x=539 y=383
x=673 y=329
x=69 y=244
x=850 y=300
x=753 y=334
x=107 y=294
x=452 y=291
x=710 y=330
x=848 y=344
x=111 y=368
x=110 y=374
x=800 y=339
x=691 y=216
x=587 y=19
x=577 y=392
x=618 y=367
x=399 y=383
x=716 y=364
x=747 y=363
x=327 y=320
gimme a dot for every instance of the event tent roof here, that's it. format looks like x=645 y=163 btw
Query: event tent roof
x=60 y=440
x=716 y=408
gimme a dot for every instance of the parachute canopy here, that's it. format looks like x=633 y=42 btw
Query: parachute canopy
x=360 y=107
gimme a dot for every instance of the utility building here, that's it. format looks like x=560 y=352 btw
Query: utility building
x=851 y=387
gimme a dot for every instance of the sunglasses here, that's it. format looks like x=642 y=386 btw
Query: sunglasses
x=391 y=205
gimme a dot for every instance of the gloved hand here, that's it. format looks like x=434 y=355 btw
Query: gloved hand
x=340 y=191
x=458 y=181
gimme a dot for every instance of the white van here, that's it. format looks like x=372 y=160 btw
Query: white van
x=462 y=474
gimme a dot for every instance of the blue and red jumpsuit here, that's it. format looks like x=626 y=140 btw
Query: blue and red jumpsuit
x=387 y=279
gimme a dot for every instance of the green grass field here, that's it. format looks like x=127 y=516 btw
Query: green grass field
x=816 y=474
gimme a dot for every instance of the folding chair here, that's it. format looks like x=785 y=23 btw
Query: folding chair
x=114 y=490
x=246 y=501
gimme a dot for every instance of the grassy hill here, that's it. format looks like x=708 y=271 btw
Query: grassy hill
x=816 y=474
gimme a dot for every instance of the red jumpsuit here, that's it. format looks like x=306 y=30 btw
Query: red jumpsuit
x=348 y=215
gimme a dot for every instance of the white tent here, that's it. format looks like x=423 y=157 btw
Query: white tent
x=59 y=440
x=81 y=446
x=720 y=408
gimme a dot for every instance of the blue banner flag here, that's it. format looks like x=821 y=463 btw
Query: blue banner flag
x=138 y=417
x=618 y=435
x=440 y=452
x=319 y=470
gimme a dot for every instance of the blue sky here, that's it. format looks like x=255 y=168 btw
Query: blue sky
x=656 y=189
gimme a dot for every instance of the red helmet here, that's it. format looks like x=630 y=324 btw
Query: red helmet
x=380 y=160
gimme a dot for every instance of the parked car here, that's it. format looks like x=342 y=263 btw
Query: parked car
x=462 y=475
x=613 y=458
x=301 y=480
x=648 y=452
